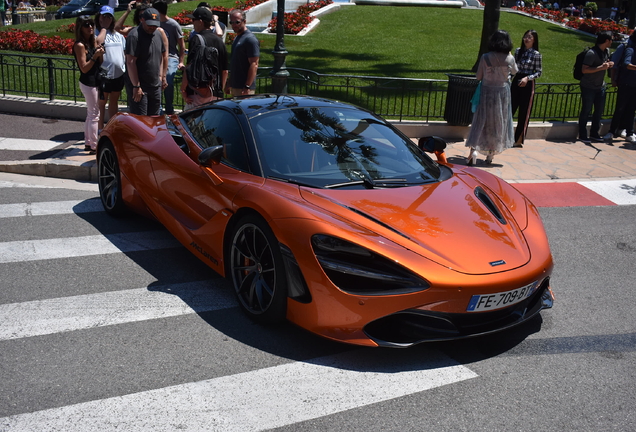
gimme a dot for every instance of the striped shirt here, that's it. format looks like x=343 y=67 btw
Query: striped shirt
x=529 y=63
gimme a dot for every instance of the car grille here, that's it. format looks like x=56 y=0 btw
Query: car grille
x=413 y=326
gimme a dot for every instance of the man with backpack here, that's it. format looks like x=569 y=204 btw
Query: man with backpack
x=624 y=78
x=206 y=66
x=595 y=65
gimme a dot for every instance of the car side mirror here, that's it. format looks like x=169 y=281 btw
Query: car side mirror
x=211 y=155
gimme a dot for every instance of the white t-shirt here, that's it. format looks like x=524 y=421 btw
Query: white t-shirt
x=114 y=57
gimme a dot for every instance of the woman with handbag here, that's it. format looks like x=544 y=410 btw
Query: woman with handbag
x=89 y=57
x=529 y=63
x=492 y=131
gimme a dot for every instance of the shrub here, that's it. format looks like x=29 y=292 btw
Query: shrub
x=591 y=6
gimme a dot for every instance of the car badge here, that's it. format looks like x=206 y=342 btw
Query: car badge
x=497 y=263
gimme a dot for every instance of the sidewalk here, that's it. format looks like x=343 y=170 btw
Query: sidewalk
x=544 y=161
x=538 y=161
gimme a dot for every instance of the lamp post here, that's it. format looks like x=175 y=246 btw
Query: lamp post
x=279 y=72
x=14 y=13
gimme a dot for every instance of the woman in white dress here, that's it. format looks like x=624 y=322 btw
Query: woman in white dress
x=492 y=131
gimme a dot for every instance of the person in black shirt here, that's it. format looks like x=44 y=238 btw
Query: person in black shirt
x=88 y=56
x=202 y=19
x=146 y=65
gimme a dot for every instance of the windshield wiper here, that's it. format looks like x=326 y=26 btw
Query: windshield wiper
x=344 y=184
x=292 y=181
x=381 y=182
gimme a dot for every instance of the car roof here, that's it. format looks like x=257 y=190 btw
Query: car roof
x=263 y=103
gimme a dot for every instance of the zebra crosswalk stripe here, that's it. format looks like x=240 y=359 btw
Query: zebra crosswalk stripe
x=42 y=317
x=34 y=250
x=258 y=400
x=50 y=208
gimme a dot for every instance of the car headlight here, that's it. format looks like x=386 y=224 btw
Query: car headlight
x=357 y=270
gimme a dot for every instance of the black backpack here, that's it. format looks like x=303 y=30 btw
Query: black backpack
x=203 y=70
x=578 y=64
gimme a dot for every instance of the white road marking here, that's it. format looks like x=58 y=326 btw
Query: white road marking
x=57 y=315
x=9 y=180
x=50 y=208
x=27 y=144
x=258 y=400
x=620 y=192
x=34 y=250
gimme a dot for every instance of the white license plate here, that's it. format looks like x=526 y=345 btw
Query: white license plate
x=484 y=302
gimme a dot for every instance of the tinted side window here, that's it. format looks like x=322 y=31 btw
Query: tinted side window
x=214 y=127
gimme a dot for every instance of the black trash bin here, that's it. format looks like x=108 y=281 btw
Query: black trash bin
x=461 y=89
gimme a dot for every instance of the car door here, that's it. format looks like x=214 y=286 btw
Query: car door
x=191 y=194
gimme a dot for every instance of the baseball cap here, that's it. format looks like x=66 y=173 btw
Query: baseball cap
x=151 y=16
x=202 y=13
x=107 y=10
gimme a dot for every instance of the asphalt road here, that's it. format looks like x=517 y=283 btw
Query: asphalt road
x=66 y=132
x=109 y=324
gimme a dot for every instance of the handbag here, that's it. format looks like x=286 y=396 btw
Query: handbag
x=474 y=102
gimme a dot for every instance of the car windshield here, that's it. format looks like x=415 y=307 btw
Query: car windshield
x=338 y=148
x=78 y=2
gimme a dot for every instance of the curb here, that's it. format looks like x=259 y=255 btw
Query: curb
x=57 y=168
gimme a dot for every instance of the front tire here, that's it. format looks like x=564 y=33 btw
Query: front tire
x=110 y=180
x=257 y=271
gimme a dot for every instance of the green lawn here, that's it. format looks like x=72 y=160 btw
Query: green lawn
x=414 y=42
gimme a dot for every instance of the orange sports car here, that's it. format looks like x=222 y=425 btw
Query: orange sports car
x=324 y=214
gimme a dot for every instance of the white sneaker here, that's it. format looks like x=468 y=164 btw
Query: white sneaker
x=623 y=133
x=631 y=138
x=608 y=136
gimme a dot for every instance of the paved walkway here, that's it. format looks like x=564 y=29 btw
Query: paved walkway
x=541 y=161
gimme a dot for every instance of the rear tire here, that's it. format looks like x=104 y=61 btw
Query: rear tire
x=109 y=180
x=257 y=271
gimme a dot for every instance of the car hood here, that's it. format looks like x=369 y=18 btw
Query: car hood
x=458 y=223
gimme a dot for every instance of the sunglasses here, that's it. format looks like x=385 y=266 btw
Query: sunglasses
x=236 y=22
x=88 y=24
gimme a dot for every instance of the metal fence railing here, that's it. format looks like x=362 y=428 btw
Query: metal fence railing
x=56 y=78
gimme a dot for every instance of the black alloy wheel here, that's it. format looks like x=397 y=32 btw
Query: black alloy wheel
x=109 y=180
x=257 y=271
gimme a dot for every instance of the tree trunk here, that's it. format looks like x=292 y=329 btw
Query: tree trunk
x=489 y=26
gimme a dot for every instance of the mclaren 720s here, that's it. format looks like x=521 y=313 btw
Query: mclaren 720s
x=324 y=214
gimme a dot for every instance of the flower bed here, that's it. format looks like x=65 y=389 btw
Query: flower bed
x=29 y=41
x=588 y=25
x=182 y=18
x=295 y=22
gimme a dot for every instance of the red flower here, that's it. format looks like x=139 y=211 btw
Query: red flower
x=297 y=21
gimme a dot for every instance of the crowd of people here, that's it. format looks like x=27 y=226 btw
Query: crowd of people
x=507 y=85
x=145 y=58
